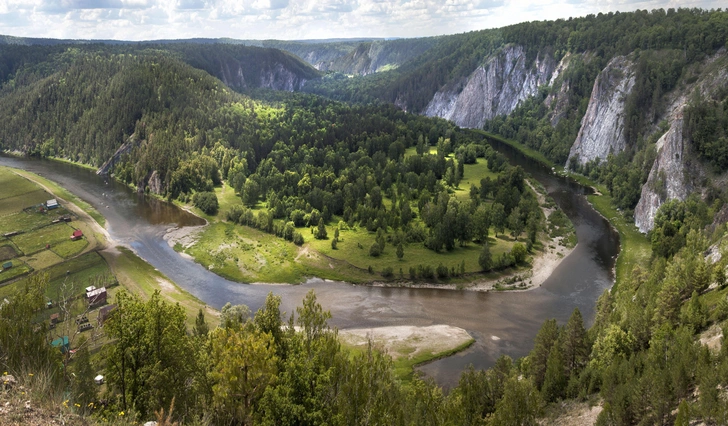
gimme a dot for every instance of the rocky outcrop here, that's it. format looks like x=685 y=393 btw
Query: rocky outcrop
x=667 y=179
x=281 y=78
x=601 y=131
x=558 y=100
x=126 y=147
x=276 y=77
x=493 y=89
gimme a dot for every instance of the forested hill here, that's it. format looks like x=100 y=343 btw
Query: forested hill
x=614 y=96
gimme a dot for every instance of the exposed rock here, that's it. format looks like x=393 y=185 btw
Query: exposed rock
x=108 y=166
x=667 y=179
x=557 y=102
x=276 y=77
x=601 y=131
x=280 y=78
x=493 y=89
x=155 y=183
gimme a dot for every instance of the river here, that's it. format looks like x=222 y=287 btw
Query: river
x=500 y=322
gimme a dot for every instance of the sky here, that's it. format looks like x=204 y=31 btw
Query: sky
x=292 y=19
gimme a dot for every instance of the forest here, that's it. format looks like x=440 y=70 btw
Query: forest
x=303 y=161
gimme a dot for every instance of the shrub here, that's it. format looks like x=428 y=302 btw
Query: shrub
x=387 y=272
x=206 y=201
x=375 y=250
x=297 y=238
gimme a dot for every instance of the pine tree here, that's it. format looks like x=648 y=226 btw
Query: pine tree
x=485 y=260
x=201 y=327
x=321 y=230
x=400 y=251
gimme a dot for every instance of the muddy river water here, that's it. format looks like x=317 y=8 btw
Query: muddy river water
x=501 y=323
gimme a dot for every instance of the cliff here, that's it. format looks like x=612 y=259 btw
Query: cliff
x=495 y=88
x=601 y=131
x=667 y=179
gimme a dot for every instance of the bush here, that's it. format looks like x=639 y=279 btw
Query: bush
x=518 y=252
x=375 y=250
x=206 y=201
x=297 y=238
x=442 y=271
x=387 y=272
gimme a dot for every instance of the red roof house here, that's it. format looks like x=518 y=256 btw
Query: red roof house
x=77 y=235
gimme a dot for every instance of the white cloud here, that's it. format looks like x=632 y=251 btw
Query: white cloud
x=291 y=19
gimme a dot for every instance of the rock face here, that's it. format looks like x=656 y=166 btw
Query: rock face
x=276 y=77
x=667 y=179
x=493 y=89
x=601 y=131
x=126 y=147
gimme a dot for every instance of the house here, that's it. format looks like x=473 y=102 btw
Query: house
x=77 y=235
x=61 y=343
x=7 y=265
x=96 y=297
x=52 y=204
x=54 y=319
x=105 y=312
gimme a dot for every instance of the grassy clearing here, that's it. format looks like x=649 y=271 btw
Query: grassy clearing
x=35 y=241
x=19 y=268
x=20 y=202
x=29 y=220
x=14 y=186
x=353 y=248
x=63 y=193
x=138 y=277
x=43 y=259
x=67 y=249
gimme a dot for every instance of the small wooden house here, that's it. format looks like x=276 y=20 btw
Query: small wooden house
x=7 y=265
x=96 y=296
x=52 y=204
x=54 y=319
x=77 y=235
x=105 y=312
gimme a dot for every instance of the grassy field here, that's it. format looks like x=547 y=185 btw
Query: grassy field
x=35 y=241
x=19 y=268
x=63 y=193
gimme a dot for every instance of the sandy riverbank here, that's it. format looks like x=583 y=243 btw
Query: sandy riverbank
x=408 y=341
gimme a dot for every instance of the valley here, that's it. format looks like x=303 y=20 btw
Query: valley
x=547 y=199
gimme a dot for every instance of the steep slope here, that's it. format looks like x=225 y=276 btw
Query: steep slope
x=494 y=88
x=602 y=128
x=680 y=168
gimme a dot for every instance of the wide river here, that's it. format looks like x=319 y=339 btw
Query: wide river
x=500 y=322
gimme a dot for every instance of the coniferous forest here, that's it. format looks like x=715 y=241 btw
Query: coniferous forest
x=330 y=152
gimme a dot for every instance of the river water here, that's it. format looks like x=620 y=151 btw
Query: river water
x=501 y=323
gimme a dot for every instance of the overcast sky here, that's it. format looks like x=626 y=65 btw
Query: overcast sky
x=291 y=19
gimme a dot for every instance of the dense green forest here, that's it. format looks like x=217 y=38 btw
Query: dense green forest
x=308 y=158
x=299 y=160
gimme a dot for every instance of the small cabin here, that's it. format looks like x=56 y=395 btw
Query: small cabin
x=77 y=235
x=7 y=265
x=99 y=379
x=54 y=319
x=96 y=297
x=52 y=204
x=105 y=312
